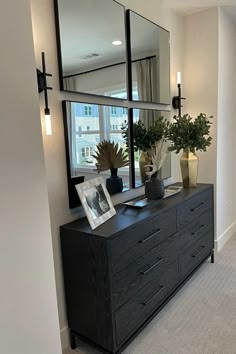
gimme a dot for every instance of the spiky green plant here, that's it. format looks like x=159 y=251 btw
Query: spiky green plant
x=109 y=156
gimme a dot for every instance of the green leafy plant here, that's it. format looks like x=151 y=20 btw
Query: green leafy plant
x=109 y=156
x=186 y=133
x=145 y=139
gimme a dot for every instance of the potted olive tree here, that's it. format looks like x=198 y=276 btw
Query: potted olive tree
x=110 y=157
x=190 y=136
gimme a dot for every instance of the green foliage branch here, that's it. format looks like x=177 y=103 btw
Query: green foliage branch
x=145 y=139
x=186 y=133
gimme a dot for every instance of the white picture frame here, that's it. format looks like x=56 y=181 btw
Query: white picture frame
x=96 y=201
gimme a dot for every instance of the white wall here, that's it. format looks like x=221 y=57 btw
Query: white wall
x=28 y=306
x=200 y=83
x=102 y=81
x=226 y=165
x=209 y=85
x=200 y=80
x=45 y=40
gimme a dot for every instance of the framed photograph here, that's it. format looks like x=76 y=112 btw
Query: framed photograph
x=96 y=201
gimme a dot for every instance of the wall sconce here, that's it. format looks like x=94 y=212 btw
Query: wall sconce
x=176 y=101
x=42 y=87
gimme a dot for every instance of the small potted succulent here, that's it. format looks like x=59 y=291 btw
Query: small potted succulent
x=190 y=136
x=110 y=157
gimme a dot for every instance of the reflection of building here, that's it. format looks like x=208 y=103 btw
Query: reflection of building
x=92 y=124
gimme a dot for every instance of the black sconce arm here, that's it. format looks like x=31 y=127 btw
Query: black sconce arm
x=42 y=81
x=176 y=101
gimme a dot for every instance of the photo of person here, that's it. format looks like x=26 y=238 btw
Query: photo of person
x=97 y=201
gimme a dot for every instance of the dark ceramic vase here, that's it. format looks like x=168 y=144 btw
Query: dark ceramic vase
x=154 y=187
x=114 y=183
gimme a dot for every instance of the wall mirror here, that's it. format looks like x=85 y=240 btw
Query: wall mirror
x=150 y=60
x=91 y=47
x=148 y=117
x=85 y=126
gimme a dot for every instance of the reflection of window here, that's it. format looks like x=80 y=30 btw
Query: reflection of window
x=91 y=124
x=79 y=130
x=88 y=110
x=125 y=111
x=114 y=111
x=86 y=152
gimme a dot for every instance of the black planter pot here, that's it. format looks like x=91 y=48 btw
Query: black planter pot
x=114 y=183
x=154 y=188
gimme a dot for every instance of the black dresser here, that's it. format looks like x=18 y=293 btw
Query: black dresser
x=120 y=275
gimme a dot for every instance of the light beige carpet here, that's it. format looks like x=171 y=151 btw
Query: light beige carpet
x=200 y=319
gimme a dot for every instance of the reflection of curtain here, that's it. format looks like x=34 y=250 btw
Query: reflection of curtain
x=147 y=87
x=69 y=84
x=71 y=137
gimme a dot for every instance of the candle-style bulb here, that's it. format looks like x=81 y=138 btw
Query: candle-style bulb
x=178 y=78
x=48 y=123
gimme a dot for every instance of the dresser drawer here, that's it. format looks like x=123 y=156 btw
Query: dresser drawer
x=139 y=308
x=135 y=276
x=193 y=208
x=141 y=238
x=195 y=254
x=193 y=232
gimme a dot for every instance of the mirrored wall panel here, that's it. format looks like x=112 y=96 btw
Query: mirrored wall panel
x=92 y=48
x=86 y=125
x=147 y=127
x=150 y=61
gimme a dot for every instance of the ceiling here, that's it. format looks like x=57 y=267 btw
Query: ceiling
x=187 y=7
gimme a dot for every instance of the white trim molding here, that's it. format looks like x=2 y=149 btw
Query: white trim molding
x=227 y=234
x=65 y=338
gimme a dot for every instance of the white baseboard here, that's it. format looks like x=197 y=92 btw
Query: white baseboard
x=65 y=338
x=227 y=234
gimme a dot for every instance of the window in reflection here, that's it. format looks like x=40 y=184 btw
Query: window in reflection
x=87 y=125
x=92 y=124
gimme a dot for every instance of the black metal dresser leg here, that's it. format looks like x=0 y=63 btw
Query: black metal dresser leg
x=213 y=258
x=72 y=340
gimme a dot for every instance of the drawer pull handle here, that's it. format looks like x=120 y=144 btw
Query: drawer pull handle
x=149 y=237
x=198 y=251
x=153 y=296
x=197 y=207
x=200 y=228
x=153 y=266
